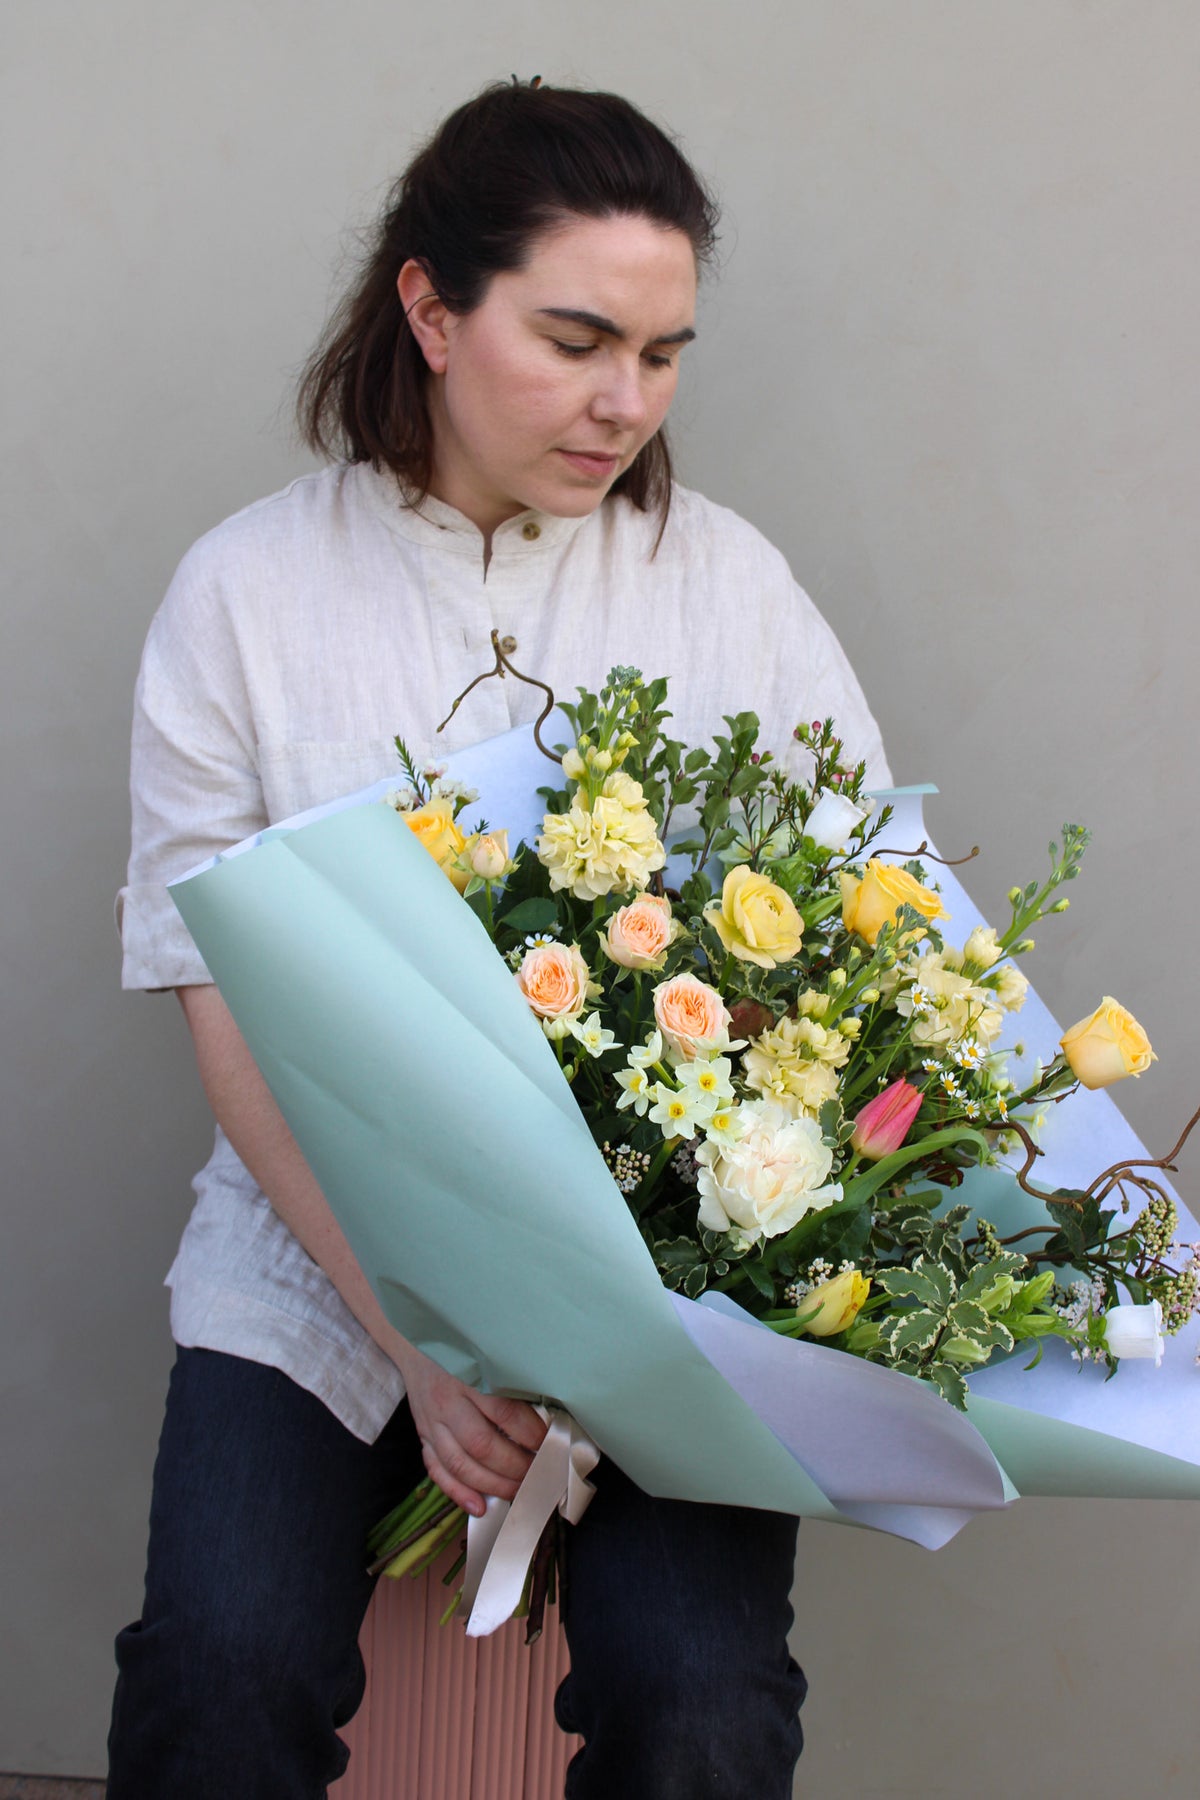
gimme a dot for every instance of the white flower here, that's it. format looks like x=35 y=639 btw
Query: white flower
x=1135 y=1330
x=594 y=1037
x=772 y=1175
x=674 y=1112
x=649 y=1053
x=832 y=819
x=723 y=1126
x=403 y=799
x=636 y=1088
x=707 y=1083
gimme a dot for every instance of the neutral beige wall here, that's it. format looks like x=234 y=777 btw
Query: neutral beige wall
x=949 y=367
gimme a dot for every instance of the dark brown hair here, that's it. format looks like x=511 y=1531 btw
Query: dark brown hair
x=507 y=166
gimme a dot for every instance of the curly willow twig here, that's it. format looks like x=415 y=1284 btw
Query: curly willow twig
x=502 y=667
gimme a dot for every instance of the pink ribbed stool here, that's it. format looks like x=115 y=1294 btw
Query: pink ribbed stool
x=449 y=1717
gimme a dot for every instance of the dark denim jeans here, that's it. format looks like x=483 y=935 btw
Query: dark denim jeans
x=245 y=1662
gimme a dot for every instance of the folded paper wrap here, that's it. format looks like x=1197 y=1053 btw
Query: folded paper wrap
x=434 y=1115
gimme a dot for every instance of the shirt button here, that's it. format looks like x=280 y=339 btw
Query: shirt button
x=530 y=531
x=508 y=645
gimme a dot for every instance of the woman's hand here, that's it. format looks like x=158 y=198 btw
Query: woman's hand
x=474 y=1444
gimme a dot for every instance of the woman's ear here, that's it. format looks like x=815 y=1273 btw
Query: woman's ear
x=426 y=314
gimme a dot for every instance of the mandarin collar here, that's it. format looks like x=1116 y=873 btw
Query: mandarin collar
x=436 y=524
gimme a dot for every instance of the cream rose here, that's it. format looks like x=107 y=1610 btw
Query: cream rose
x=433 y=826
x=1107 y=1046
x=487 y=856
x=755 y=919
x=691 y=1016
x=870 y=903
x=774 y=1173
x=638 y=934
x=556 y=982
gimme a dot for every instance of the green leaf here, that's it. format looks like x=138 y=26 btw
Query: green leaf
x=949 y=1384
x=695 y=1281
x=926 y=1282
x=536 y=914
x=676 y=1255
x=761 y=1277
x=911 y=1331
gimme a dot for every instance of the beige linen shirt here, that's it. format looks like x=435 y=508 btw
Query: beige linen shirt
x=295 y=640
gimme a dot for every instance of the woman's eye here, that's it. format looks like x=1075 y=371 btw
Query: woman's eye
x=657 y=361
x=575 y=350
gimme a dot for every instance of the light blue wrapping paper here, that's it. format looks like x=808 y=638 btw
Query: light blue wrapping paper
x=435 y=1117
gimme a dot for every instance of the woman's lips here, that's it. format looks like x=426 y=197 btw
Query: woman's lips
x=591 y=462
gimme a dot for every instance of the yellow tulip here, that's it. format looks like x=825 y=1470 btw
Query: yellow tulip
x=838 y=1302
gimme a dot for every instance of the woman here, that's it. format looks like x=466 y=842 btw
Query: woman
x=497 y=384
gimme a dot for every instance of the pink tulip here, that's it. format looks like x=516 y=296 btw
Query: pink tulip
x=885 y=1122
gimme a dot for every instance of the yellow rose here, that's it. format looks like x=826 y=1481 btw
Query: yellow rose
x=433 y=826
x=870 y=903
x=838 y=1302
x=1107 y=1046
x=755 y=919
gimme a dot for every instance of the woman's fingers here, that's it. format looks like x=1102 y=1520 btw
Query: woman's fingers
x=515 y=1418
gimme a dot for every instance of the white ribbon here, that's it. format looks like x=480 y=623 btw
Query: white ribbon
x=500 y=1545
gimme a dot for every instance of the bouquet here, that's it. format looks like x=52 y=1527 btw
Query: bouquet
x=788 y=1064
x=683 y=1076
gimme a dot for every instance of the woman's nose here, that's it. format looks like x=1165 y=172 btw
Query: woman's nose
x=621 y=399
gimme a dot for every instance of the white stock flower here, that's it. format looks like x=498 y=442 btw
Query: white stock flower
x=982 y=947
x=775 y=1172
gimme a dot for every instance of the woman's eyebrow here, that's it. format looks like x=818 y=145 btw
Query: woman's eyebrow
x=573 y=316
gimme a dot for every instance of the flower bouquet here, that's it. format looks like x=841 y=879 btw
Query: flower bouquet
x=709 y=1110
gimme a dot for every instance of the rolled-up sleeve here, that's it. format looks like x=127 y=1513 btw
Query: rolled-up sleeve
x=194 y=783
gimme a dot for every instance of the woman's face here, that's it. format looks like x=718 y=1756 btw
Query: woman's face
x=544 y=394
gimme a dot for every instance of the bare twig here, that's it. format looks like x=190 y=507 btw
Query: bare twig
x=501 y=668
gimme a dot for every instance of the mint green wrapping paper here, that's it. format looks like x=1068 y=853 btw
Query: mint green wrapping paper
x=435 y=1117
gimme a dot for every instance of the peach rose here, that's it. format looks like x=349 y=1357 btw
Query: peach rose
x=691 y=1015
x=638 y=934
x=555 y=980
x=433 y=826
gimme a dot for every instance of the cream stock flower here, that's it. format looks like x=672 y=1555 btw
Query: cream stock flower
x=691 y=1016
x=795 y=1064
x=775 y=1172
x=556 y=982
x=946 y=1005
x=610 y=847
x=982 y=947
x=639 y=934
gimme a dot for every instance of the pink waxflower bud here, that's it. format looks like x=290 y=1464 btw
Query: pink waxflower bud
x=885 y=1122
